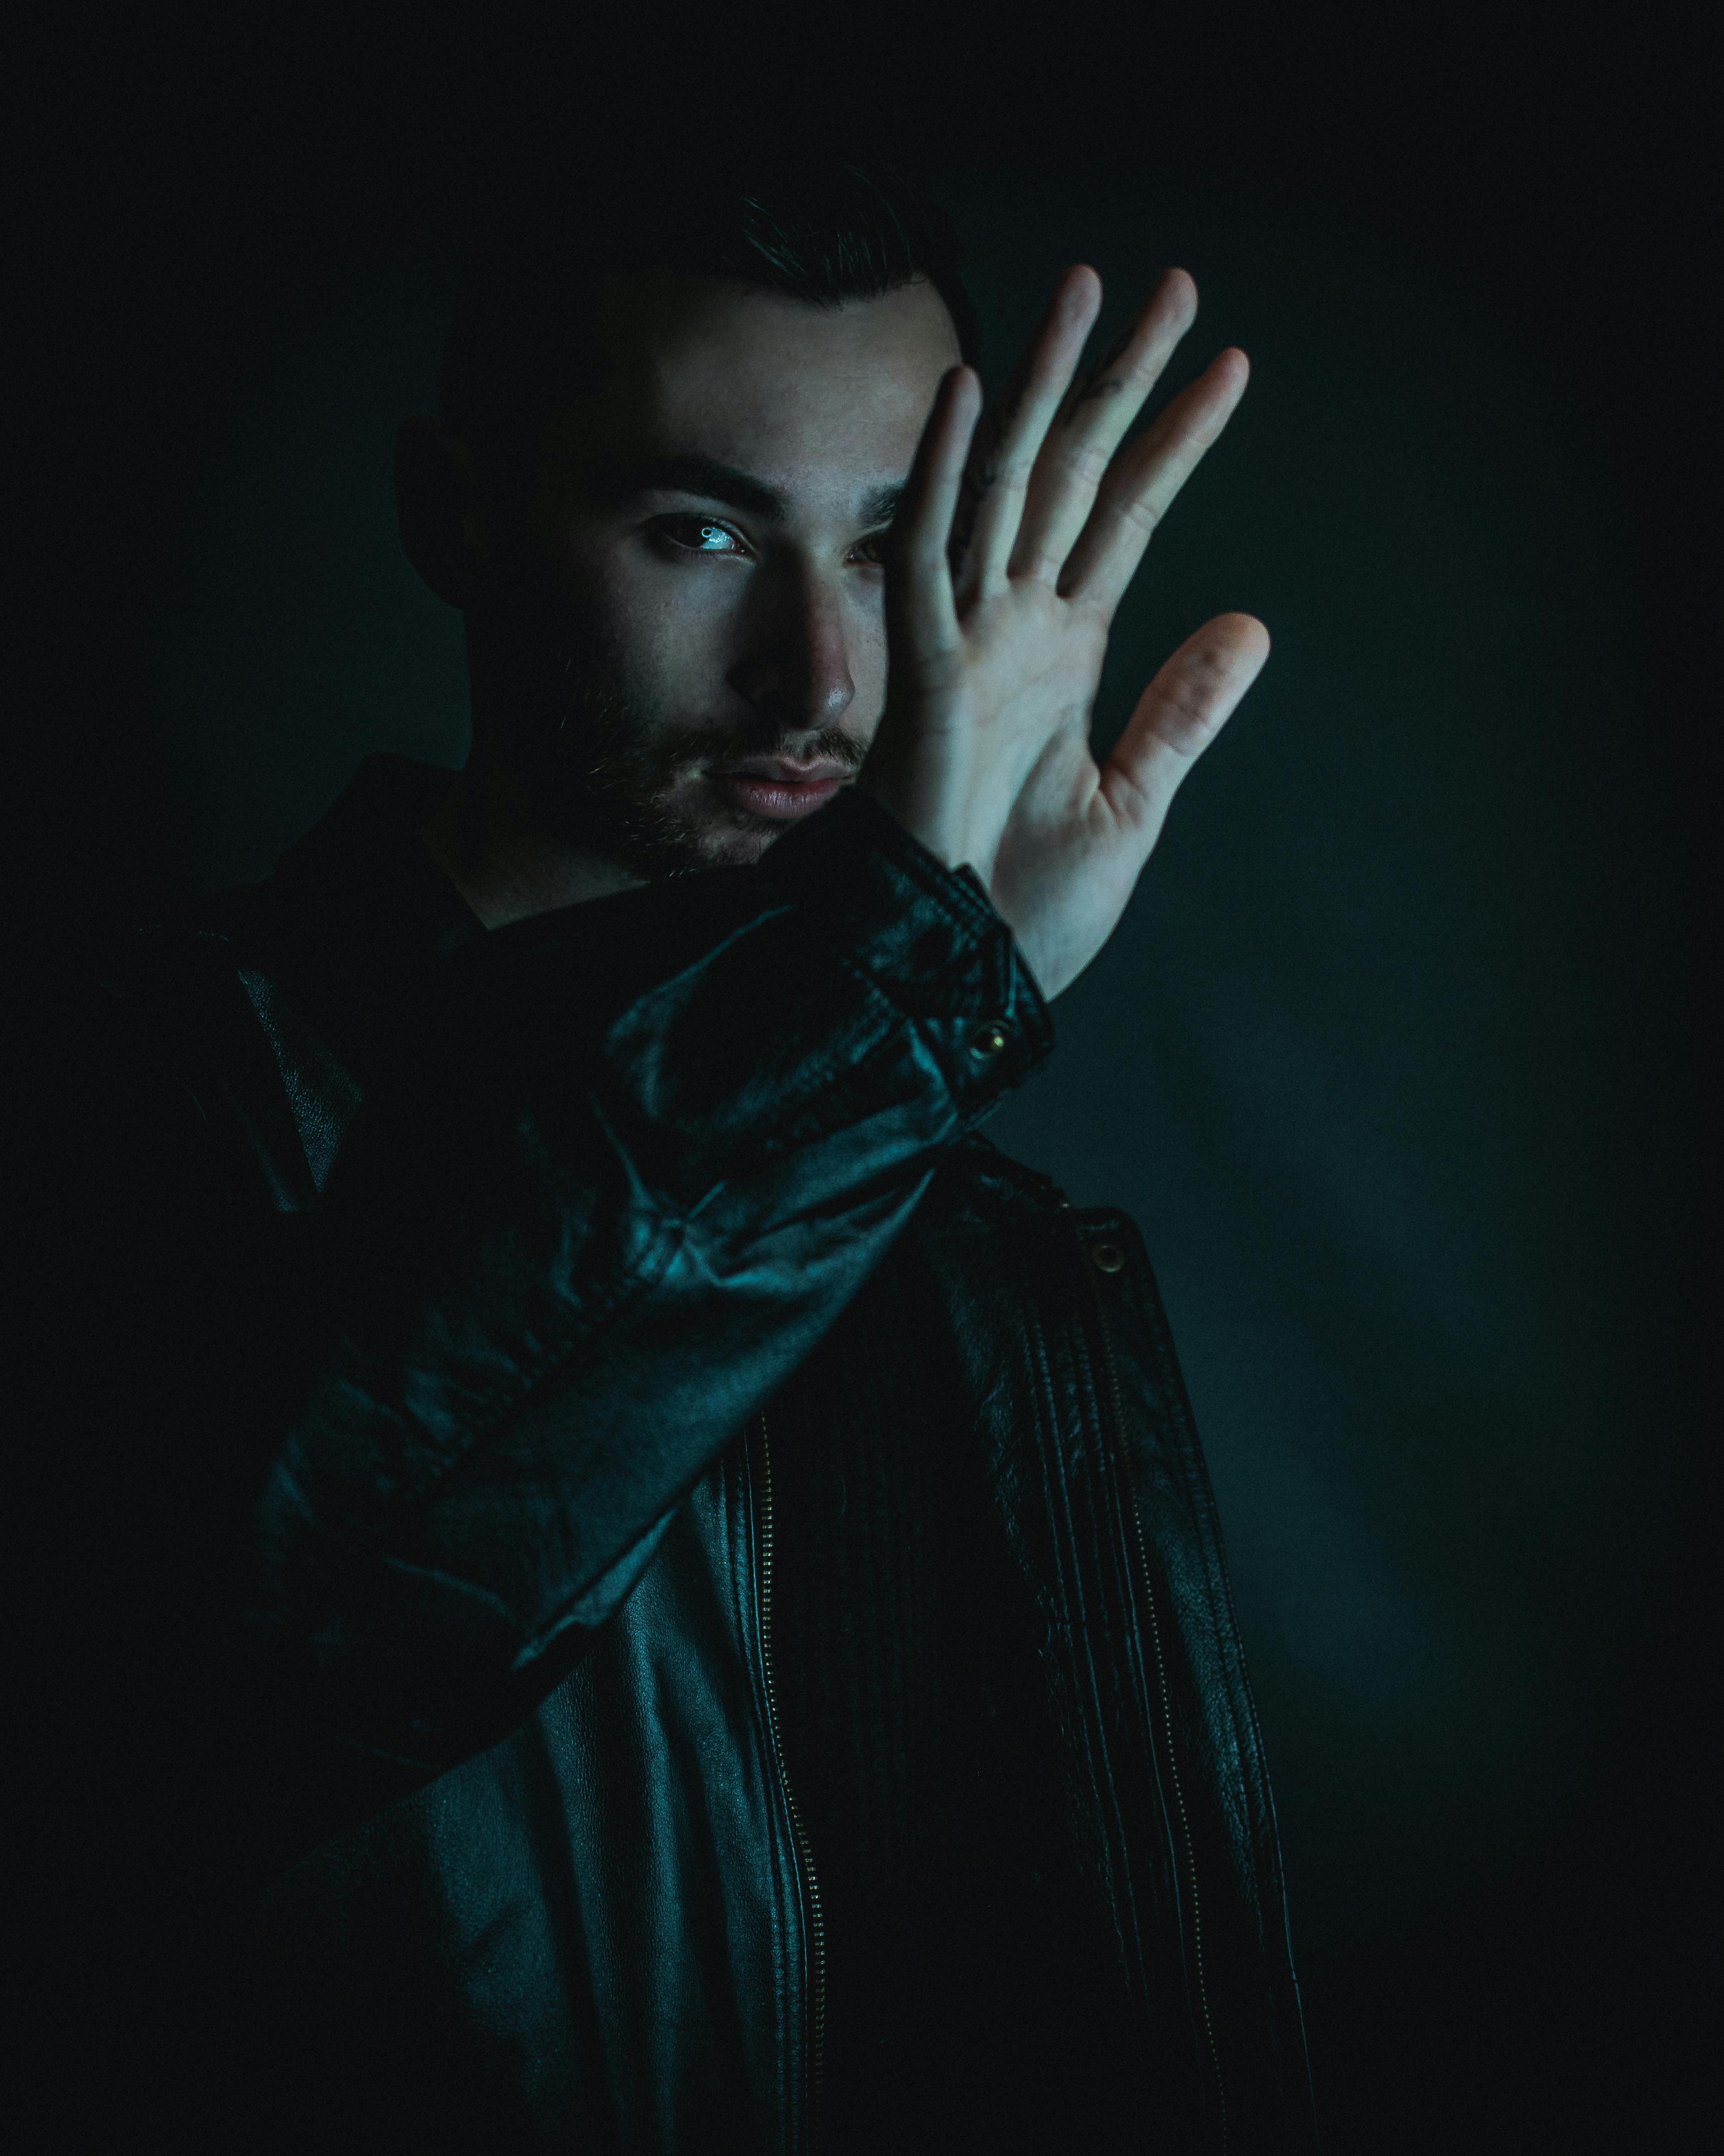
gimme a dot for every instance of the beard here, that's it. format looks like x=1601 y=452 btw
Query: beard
x=603 y=773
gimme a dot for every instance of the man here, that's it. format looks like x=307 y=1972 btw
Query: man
x=673 y=1601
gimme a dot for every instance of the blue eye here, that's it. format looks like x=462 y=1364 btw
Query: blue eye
x=695 y=535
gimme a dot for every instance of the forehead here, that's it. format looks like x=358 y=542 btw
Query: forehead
x=801 y=396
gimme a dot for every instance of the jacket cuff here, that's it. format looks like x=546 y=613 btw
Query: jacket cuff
x=927 y=936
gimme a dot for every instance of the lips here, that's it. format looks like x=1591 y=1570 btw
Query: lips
x=778 y=789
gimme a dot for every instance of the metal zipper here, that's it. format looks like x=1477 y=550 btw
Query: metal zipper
x=815 y=1923
x=1111 y=1366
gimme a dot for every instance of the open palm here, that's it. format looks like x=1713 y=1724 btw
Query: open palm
x=1015 y=543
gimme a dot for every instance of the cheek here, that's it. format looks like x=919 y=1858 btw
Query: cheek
x=664 y=630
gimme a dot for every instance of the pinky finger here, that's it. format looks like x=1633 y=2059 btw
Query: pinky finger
x=919 y=589
x=1178 y=716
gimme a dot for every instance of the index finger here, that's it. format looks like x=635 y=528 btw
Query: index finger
x=1034 y=398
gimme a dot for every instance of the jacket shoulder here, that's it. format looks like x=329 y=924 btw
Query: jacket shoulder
x=178 y=1008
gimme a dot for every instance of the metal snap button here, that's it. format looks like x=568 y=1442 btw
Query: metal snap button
x=991 y=1039
x=1107 y=1258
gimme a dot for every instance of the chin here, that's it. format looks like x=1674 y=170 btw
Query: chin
x=661 y=845
x=734 y=846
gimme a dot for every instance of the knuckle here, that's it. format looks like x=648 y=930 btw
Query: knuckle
x=1087 y=462
x=1030 y=571
x=1139 y=515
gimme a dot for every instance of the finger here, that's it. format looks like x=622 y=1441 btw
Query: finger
x=1091 y=426
x=1144 y=481
x=1000 y=480
x=1178 y=716
x=919 y=594
x=985 y=446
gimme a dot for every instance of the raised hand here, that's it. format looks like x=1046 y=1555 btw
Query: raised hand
x=1014 y=544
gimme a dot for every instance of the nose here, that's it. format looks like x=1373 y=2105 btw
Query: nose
x=796 y=667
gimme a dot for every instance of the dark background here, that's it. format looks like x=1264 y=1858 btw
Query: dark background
x=1396 y=1056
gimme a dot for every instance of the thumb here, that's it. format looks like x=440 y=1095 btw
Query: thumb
x=1178 y=716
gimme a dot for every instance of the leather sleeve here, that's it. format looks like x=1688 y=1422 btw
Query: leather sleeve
x=627 y=1163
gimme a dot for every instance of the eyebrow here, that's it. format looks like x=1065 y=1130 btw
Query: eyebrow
x=683 y=472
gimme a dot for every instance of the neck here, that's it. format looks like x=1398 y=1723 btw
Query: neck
x=501 y=859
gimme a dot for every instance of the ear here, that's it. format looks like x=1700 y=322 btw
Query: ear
x=444 y=527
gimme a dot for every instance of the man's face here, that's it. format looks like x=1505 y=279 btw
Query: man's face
x=702 y=566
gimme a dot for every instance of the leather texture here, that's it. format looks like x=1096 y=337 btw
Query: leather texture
x=441 y=1280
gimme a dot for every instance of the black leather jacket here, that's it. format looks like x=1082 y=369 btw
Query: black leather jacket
x=440 y=1281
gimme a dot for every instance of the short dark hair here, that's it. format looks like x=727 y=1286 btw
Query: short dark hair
x=823 y=225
